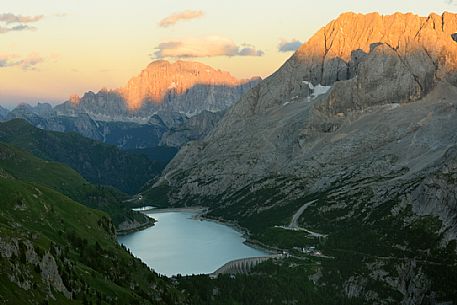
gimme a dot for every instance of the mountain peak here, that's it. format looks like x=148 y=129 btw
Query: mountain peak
x=353 y=31
x=162 y=77
x=418 y=51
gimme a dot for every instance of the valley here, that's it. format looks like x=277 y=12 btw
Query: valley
x=331 y=181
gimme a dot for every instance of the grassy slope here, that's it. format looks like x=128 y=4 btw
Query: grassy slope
x=81 y=241
x=65 y=180
x=97 y=162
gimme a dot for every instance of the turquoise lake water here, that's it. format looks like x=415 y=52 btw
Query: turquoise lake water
x=178 y=243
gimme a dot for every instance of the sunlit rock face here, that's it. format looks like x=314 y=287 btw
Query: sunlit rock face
x=419 y=50
x=162 y=78
x=181 y=87
x=393 y=69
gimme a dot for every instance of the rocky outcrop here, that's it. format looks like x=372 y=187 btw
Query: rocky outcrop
x=50 y=274
x=22 y=256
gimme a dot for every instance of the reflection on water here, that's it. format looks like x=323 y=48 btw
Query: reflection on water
x=180 y=244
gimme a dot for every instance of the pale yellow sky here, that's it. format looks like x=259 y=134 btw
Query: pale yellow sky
x=81 y=45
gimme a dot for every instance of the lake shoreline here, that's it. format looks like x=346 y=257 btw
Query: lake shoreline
x=201 y=213
x=231 y=242
x=137 y=228
x=246 y=235
x=167 y=210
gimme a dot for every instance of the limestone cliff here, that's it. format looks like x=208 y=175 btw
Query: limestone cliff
x=370 y=61
x=180 y=87
x=162 y=79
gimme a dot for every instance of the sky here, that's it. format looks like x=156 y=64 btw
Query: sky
x=51 y=49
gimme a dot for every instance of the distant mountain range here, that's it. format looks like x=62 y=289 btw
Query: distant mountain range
x=181 y=87
x=147 y=112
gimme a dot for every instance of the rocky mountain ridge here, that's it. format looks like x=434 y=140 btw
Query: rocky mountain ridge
x=181 y=87
x=382 y=79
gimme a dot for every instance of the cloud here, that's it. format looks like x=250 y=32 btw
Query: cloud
x=247 y=49
x=29 y=62
x=289 y=45
x=210 y=46
x=180 y=16
x=21 y=21
x=16 y=28
x=26 y=63
x=11 y=18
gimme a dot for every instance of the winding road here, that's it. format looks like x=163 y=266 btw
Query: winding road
x=294 y=222
x=293 y=226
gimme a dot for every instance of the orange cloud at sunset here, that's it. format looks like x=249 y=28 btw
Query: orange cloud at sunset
x=180 y=16
x=204 y=47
